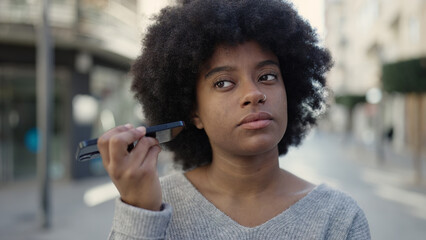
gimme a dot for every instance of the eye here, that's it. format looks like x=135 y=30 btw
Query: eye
x=267 y=77
x=223 y=84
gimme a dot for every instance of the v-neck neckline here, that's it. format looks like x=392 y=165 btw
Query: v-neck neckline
x=219 y=217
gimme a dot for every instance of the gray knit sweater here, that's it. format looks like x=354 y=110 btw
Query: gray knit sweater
x=324 y=213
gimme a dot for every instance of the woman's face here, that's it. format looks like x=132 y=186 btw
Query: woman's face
x=231 y=105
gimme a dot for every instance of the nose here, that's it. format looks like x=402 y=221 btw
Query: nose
x=252 y=95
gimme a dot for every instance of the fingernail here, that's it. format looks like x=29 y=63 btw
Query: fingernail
x=141 y=129
x=159 y=148
x=128 y=125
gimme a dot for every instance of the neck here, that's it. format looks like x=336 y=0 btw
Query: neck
x=243 y=176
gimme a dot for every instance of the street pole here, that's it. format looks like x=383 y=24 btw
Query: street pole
x=418 y=140
x=44 y=111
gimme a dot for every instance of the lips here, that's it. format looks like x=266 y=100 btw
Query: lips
x=256 y=120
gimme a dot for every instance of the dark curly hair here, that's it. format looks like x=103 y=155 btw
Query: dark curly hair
x=185 y=36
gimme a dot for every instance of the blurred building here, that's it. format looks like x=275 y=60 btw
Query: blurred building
x=95 y=42
x=364 y=35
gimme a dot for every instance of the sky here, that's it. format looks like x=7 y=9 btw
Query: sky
x=313 y=11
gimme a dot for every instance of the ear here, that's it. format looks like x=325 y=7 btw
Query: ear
x=196 y=120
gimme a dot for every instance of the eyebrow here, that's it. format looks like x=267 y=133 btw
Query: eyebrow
x=266 y=63
x=229 y=68
x=218 y=69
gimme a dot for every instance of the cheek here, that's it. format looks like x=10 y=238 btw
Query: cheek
x=211 y=105
x=284 y=99
x=216 y=117
x=284 y=109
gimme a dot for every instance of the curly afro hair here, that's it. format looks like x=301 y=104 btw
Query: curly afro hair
x=185 y=36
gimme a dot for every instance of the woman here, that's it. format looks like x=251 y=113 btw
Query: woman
x=247 y=76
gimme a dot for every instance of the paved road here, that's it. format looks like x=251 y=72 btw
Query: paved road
x=395 y=208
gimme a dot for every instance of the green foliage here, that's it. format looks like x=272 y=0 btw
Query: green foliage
x=350 y=101
x=405 y=76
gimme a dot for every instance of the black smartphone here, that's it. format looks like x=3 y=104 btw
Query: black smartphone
x=88 y=149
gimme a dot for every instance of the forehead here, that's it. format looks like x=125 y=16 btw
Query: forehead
x=228 y=54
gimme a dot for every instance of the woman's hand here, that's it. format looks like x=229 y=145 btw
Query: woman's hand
x=133 y=173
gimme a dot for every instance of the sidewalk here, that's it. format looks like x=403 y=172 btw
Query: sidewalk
x=397 y=165
x=71 y=218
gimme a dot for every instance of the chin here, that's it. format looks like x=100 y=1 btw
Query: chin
x=260 y=147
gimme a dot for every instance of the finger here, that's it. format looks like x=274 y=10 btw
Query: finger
x=114 y=131
x=141 y=150
x=151 y=158
x=103 y=141
x=119 y=143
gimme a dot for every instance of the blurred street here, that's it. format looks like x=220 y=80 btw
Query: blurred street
x=377 y=98
x=71 y=217
x=394 y=206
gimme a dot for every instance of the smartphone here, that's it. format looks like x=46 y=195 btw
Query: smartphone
x=88 y=149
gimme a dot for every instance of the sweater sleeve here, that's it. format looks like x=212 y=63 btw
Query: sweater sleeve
x=131 y=223
x=359 y=229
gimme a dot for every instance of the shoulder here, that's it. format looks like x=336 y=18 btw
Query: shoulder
x=171 y=180
x=333 y=198
x=175 y=186
x=171 y=177
x=341 y=212
x=333 y=202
